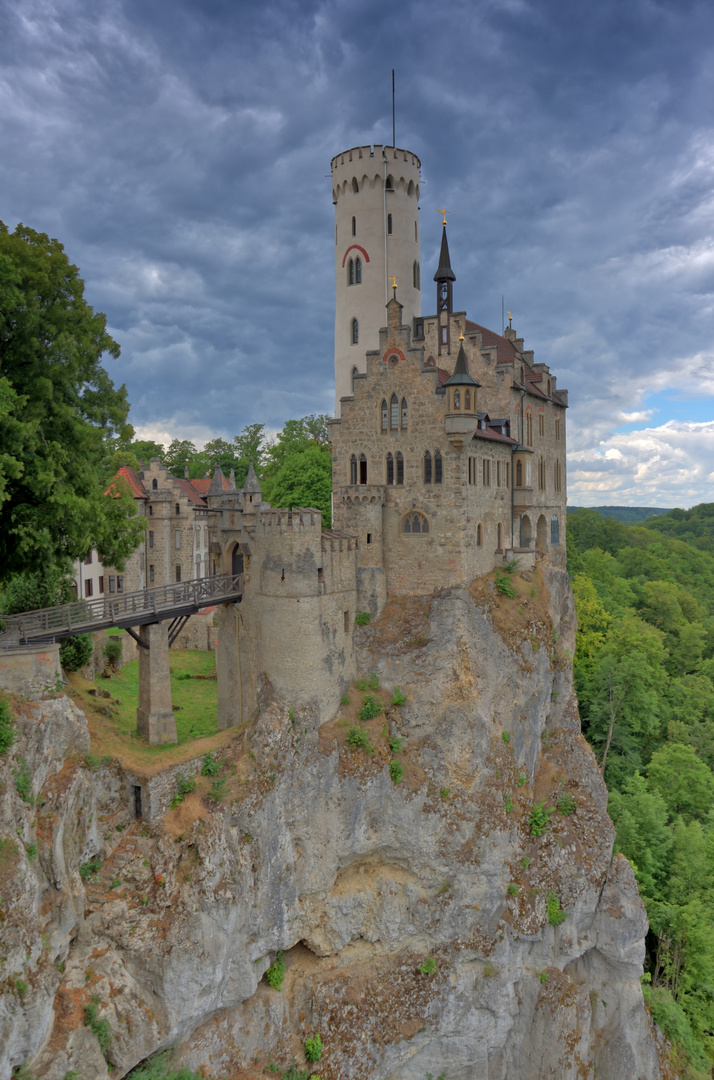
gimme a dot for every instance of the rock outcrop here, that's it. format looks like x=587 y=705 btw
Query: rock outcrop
x=421 y=920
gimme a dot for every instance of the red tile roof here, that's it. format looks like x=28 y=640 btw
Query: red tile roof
x=189 y=490
x=444 y=376
x=202 y=485
x=129 y=476
x=505 y=349
x=495 y=436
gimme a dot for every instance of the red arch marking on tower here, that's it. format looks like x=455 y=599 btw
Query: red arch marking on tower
x=393 y=352
x=352 y=247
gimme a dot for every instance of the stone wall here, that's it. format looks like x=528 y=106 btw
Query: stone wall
x=31 y=671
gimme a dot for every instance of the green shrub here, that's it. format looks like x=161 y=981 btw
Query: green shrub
x=363 y=618
x=506 y=737
x=512 y=889
x=555 y=913
x=372 y=683
x=90 y=868
x=543 y=976
x=503 y=584
x=345 y=700
x=313 y=1048
x=507 y=803
x=525 y=862
x=671 y=1018
x=399 y=697
x=100 y=1027
x=370 y=707
x=23 y=782
x=359 y=739
x=218 y=788
x=75 y=652
x=521 y=779
x=184 y=787
x=396 y=771
x=428 y=966
x=7 y=727
x=396 y=744
x=21 y=986
x=275 y=974
x=113 y=650
x=540 y=816
x=210 y=766
x=445 y=792
x=158 y=1068
x=31 y=850
x=566 y=804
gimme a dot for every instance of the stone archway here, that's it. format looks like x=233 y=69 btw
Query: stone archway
x=541 y=535
x=526 y=535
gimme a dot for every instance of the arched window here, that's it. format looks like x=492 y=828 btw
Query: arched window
x=389 y=224
x=390 y=469
x=389 y=184
x=354 y=226
x=358 y=271
x=353 y=469
x=519 y=474
x=405 y=412
x=427 y=467
x=355 y=332
x=355 y=185
x=394 y=411
x=529 y=428
x=467 y=399
x=355 y=373
x=351 y=272
x=415 y=524
x=155 y=485
x=554 y=531
x=479 y=535
x=438 y=471
x=400 y=468
x=385 y=415
x=362 y=469
x=178 y=509
x=457 y=399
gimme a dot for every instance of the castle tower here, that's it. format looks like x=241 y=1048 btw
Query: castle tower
x=375 y=191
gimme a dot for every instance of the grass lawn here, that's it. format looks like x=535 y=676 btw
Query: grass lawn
x=194 y=699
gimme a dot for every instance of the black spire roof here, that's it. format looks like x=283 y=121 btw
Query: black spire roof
x=461 y=375
x=444 y=273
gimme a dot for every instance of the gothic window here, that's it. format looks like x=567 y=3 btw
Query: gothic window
x=556 y=476
x=389 y=185
x=385 y=415
x=529 y=428
x=519 y=474
x=362 y=469
x=541 y=424
x=390 y=469
x=416 y=275
x=358 y=271
x=486 y=472
x=557 y=430
x=394 y=411
x=178 y=571
x=467 y=399
x=438 y=471
x=479 y=535
x=353 y=469
x=355 y=373
x=155 y=485
x=405 y=413
x=400 y=468
x=415 y=524
x=472 y=471
x=508 y=473
x=498 y=474
x=355 y=186
x=444 y=331
x=351 y=272
x=541 y=474
x=554 y=531
x=354 y=226
x=457 y=399
x=528 y=473
x=427 y=467
x=355 y=332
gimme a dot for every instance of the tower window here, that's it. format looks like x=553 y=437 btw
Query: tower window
x=362 y=469
x=355 y=373
x=414 y=524
x=519 y=474
x=443 y=335
x=389 y=185
x=178 y=509
x=427 y=467
x=351 y=272
x=467 y=399
x=389 y=224
x=355 y=332
x=405 y=412
x=400 y=468
x=394 y=411
x=155 y=485
x=457 y=399
x=151 y=572
x=385 y=415
x=354 y=226
x=178 y=572
x=438 y=468
x=358 y=271
x=353 y=469
x=355 y=186
x=390 y=469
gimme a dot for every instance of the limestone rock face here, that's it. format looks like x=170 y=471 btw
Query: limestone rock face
x=359 y=879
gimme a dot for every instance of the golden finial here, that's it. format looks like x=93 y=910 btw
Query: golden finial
x=444 y=213
x=510 y=317
x=461 y=336
x=394 y=283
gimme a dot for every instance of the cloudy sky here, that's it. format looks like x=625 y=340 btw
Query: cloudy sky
x=181 y=150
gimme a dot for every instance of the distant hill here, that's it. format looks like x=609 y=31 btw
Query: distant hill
x=630 y=515
x=695 y=526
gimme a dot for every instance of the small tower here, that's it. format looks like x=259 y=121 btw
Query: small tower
x=444 y=278
x=375 y=191
x=460 y=390
x=251 y=490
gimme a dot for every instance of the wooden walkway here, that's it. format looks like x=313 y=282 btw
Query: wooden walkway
x=123 y=610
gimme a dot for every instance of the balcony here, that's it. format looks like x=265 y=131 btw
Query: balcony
x=522 y=499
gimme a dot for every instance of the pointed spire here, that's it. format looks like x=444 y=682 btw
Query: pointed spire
x=444 y=273
x=251 y=485
x=461 y=375
x=217 y=483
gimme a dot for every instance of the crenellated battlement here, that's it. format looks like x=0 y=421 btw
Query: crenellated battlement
x=303 y=519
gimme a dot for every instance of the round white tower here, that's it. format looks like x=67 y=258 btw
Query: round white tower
x=376 y=195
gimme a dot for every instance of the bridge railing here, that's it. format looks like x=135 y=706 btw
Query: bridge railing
x=114 y=609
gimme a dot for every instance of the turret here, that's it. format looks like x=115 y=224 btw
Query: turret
x=375 y=191
x=444 y=278
x=460 y=399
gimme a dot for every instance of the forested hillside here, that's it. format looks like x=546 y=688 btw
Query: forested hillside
x=644 y=669
x=629 y=515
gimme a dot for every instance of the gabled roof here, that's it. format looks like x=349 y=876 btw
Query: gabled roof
x=201 y=485
x=505 y=349
x=494 y=436
x=130 y=476
x=190 y=492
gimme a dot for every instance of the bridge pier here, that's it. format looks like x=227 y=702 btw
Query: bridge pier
x=154 y=716
x=228 y=667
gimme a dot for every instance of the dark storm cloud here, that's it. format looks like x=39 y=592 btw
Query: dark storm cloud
x=180 y=152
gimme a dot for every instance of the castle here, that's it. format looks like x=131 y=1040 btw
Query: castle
x=448 y=450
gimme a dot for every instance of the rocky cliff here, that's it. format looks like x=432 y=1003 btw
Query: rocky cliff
x=421 y=920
